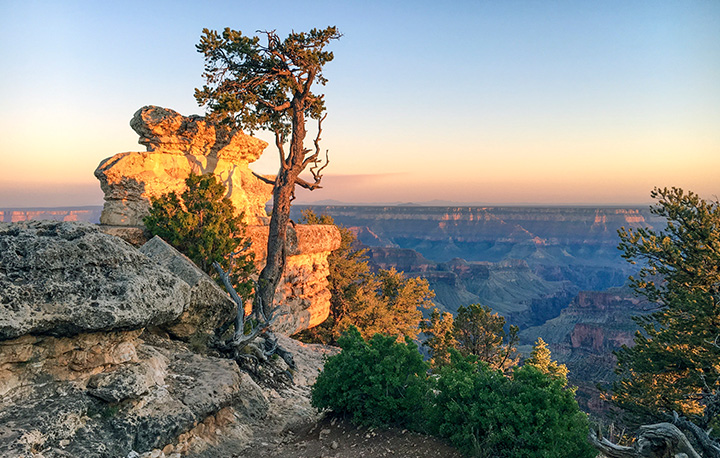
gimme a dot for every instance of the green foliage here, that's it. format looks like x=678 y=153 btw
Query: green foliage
x=480 y=332
x=378 y=382
x=385 y=302
x=540 y=359
x=440 y=337
x=675 y=363
x=390 y=303
x=527 y=415
x=201 y=224
x=253 y=86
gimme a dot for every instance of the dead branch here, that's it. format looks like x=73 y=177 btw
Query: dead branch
x=281 y=150
x=240 y=317
x=263 y=179
x=306 y=184
x=710 y=448
x=662 y=440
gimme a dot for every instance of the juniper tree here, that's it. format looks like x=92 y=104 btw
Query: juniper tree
x=480 y=332
x=675 y=362
x=201 y=223
x=269 y=85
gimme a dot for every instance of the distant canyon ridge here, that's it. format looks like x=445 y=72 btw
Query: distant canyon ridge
x=554 y=271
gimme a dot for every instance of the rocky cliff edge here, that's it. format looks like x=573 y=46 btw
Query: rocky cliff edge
x=100 y=355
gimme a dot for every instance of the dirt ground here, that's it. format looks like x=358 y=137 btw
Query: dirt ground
x=334 y=437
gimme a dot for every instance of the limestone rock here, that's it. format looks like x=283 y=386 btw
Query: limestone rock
x=127 y=382
x=64 y=278
x=140 y=404
x=176 y=146
x=302 y=296
x=166 y=131
x=209 y=306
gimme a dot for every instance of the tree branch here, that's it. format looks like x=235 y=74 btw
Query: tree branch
x=710 y=447
x=263 y=179
x=653 y=441
x=281 y=150
x=307 y=185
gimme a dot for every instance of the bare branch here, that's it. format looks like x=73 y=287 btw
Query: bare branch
x=306 y=184
x=710 y=447
x=281 y=150
x=654 y=441
x=240 y=317
x=263 y=179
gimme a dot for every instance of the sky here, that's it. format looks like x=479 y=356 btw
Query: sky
x=484 y=102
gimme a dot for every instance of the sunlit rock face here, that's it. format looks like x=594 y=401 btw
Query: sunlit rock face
x=303 y=297
x=176 y=146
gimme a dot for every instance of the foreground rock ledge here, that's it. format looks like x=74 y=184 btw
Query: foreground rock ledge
x=62 y=278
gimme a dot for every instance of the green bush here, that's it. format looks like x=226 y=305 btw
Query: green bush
x=378 y=382
x=527 y=415
x=201 y=223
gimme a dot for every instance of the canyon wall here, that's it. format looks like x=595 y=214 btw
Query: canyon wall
x=527 y=263
x=584 y=336
x=90 y=214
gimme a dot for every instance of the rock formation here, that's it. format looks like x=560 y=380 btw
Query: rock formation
x=87 y=370
x=59 y=278
x=208 y=306
x=303 y=294
x=177 y=145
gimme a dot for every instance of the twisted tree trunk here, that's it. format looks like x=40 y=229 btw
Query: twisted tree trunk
x=662 y=440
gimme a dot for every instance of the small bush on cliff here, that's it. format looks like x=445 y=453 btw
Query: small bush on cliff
x=387 y=301
x=201 y=224
x=474 y=330
x=526 y=415
x=378 y=382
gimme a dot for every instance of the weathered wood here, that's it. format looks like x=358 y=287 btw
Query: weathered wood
x=710 y=448
x=662 y=440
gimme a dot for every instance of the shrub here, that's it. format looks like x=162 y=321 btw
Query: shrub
x=201 y=224
x=387 y=302
x=378 y=382
x=527 y=415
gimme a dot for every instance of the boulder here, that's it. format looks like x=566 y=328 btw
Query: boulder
x=176 y=146
x=63 y=278
x=209 y=306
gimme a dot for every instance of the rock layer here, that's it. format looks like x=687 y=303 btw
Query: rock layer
x=176 y=146
x=63 y=278
x=302 y=296
x=135 y=395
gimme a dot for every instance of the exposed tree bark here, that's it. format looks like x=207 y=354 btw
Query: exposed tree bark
x=710 y=448
x=240 y=339
x=254 y=86
x=662 y=440
x=283 y=194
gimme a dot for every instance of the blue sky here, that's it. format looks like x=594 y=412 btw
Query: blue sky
x=512 y=102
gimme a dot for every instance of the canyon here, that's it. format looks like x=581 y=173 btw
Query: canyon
x=555 y=272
